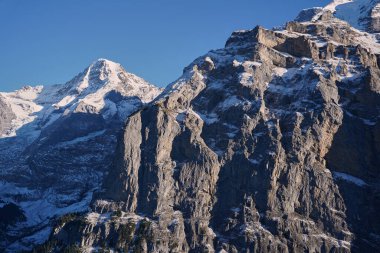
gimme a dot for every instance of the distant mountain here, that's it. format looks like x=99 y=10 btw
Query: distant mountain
x=96 y=90
x=57 y=141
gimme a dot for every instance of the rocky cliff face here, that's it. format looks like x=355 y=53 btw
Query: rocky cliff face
x=56 y=143
x=270 y=144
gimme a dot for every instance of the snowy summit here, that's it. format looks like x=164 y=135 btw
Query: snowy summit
x=87 y=92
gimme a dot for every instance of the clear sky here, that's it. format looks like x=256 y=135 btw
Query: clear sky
x=50 y=41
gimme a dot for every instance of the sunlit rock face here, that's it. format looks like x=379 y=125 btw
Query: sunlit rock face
x=270 y=144
x=6 y=116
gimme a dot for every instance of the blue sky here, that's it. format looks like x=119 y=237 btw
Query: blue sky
x=50 y=41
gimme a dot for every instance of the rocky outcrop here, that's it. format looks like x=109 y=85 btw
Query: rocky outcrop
x=267 y=145
x=6 y=116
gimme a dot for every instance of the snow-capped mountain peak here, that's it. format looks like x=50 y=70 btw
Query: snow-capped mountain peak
x=104 y=75
x=101 y=72
x=99 y=89
x=104 y=69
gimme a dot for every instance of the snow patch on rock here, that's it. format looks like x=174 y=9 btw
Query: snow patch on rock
x=349 y=178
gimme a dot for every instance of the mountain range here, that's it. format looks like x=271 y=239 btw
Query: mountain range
x=270 y=144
